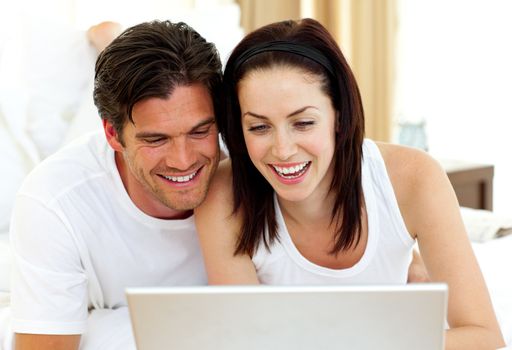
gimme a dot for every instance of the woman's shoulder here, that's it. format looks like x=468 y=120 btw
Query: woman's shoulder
x=217 y=224
x=219 y=195
x=410 y=170
x=416 y=178
x=222 y=179
x=408 y=164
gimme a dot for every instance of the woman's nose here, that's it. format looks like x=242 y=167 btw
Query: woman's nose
x=284 y=146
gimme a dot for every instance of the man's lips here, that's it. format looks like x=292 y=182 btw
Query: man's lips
x=181 y=178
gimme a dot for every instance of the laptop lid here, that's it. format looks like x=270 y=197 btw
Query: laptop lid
x=276 y=317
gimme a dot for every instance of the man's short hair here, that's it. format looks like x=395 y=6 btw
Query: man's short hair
x=150 y=60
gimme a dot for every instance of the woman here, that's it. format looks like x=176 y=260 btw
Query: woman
x=305 y=199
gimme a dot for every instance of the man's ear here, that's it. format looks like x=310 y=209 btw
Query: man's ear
x=112 y=136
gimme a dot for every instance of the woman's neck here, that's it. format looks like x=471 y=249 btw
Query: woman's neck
x=314 y=210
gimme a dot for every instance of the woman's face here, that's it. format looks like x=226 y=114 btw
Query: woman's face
x=289 y=129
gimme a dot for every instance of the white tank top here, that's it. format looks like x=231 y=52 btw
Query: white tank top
x=388 y=250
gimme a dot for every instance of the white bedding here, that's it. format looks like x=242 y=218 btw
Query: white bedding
x=111 y=329
x=495 y=259
x=107 y=330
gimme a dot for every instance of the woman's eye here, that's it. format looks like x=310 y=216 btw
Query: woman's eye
x=302 y=125
x=258 y=128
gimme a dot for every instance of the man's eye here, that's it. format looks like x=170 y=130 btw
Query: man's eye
x=200 y=133
x=154 y=140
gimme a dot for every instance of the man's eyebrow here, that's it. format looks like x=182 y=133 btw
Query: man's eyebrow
x=149 y=134
x=298 y=111
x=203 y=123
x=155 y=134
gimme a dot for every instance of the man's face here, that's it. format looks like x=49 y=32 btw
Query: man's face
x=170 y=152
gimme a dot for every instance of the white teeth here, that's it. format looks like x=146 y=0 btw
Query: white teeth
x=181 y=178
x=290 y=171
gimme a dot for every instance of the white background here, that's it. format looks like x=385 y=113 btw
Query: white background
x=455 y=72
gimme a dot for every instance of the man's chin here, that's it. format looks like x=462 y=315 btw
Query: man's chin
x=185 y=202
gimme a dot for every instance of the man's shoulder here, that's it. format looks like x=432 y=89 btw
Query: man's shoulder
x=83 y=160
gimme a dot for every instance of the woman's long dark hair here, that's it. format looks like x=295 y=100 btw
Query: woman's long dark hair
x=252 y=194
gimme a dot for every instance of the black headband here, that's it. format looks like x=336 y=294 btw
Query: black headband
x=286 y=46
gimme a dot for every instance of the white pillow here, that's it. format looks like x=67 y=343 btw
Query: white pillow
x=483 y=225
x=58 y=64
x=86 y=119
x=16 y=164
x=5 y=264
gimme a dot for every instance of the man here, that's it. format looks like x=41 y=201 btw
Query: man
x=115 y=210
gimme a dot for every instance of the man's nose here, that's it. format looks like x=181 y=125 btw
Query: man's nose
x=181 y=154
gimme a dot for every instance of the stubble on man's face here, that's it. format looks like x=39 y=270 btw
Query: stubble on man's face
x=171 y=151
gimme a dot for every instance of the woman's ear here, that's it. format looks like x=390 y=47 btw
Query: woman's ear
x=112 y=136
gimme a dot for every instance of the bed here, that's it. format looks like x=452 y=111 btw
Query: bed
x=493 y=254
x=49 y=109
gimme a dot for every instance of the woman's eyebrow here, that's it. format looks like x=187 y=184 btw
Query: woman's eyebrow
x=298 y=111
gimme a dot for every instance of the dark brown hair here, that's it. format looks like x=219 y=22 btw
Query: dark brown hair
x=149 y=60
x=252 y=194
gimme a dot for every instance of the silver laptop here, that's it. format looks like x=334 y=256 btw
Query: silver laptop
x=289 y=318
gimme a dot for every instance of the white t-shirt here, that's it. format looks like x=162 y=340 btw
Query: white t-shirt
x=79 y=241
x=388 y=250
